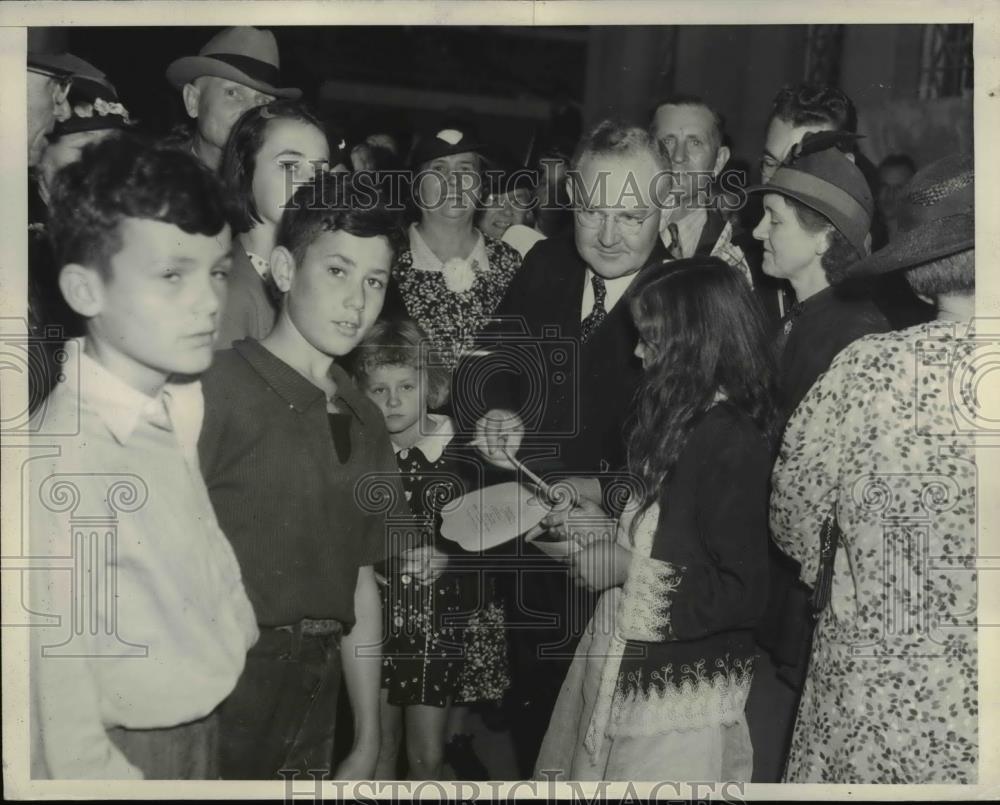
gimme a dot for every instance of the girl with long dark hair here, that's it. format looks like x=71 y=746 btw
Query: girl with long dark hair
x=659 y=683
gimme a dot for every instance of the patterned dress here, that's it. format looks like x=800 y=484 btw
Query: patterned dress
x=453 y=320
x=422 y=654
x=441 y=643
x=891 y=695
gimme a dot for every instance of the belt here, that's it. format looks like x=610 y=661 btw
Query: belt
x=307 y=638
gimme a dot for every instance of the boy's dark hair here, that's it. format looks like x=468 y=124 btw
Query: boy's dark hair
x=128 y=177
x=686 y=99
x=240 y=155
x=401 y=342
x=809 y=104
x=335 y=201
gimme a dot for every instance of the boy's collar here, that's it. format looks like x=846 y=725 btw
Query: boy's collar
x=120 y=406
x=295 y=389
x=432 y=445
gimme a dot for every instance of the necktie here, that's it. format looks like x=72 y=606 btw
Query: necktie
x=674 y=250
x=597 y=313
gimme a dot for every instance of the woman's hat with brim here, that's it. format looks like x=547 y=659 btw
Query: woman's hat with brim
x=449 y=139
x=937 y=218
x=94 y=103
x=820 y=175
x=248 y=56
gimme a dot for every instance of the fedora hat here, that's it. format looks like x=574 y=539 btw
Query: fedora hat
x=59 y=65
x=248 y=56
x=820 y=175
x=937 y=218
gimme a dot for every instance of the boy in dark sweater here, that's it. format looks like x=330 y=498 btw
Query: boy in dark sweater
x=287 y=444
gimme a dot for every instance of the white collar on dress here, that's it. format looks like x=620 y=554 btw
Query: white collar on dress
x=432 y=444
x=425 y=260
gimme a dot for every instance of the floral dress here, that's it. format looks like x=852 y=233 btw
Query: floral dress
x=452 y=301
x=444 y=641
x=891 y=694
x=423 y=650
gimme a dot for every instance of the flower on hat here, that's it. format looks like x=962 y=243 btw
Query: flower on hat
x=101 y=107
x=450 y=136
x=105 y=108
x=459 y=274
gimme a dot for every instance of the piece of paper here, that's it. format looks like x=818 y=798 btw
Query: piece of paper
x=491 y=516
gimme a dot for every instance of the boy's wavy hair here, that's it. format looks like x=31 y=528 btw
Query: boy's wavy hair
x=239 y=158
x=401 y=342
x=704 y=332
x=122 y=177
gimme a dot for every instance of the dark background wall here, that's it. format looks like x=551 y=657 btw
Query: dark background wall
x=398 y=78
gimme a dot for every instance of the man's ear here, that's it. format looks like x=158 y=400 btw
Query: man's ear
x=82 y=288
x=721 y=158
x=192 y=95
x=282 y=268
x=850 y=156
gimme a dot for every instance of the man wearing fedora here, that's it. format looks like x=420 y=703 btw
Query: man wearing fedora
x=238 y=69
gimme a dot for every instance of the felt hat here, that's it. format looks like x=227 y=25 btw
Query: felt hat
x=450 y=138
x=248 y=56
x=821 y=176
x=54 y=64
x=93 y=100
x=937 y=218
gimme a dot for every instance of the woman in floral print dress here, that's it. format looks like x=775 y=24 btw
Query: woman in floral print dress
x=452 y=278
x=891 y=694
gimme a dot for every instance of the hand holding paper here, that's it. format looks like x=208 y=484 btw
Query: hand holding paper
x=487 y=517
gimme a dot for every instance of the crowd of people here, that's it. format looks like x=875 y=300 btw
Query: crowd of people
x=301 y=374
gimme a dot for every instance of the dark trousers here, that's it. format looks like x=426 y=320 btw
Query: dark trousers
x=186 y=752
x=282 y=714
x=546 y=614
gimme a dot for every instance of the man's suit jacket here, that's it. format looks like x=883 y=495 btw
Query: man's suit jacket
x=582 y=404
x=249 y=311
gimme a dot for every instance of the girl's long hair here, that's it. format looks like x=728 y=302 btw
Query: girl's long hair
x=704 y=332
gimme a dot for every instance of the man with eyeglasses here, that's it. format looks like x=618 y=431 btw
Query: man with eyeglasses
x=570 y=288
x=237 y=70
x=49 y=78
